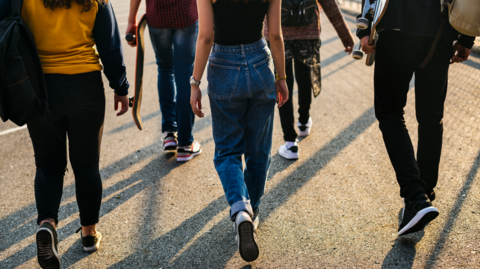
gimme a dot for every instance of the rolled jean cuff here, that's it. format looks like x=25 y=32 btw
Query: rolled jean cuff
x=240 y=206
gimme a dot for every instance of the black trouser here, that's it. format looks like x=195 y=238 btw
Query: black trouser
x=304 y=82
x=398 y=57
x=77 y=110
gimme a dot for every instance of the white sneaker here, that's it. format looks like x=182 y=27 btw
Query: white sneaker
x=304 y=130
x=169 y=141
x=246 y=239
x=186 y=153
x=290 y=153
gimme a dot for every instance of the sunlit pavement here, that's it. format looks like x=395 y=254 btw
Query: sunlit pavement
x=337 y=206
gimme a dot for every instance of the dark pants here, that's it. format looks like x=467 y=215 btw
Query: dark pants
x=398 y=57
x=304 y=82
x=77 y=108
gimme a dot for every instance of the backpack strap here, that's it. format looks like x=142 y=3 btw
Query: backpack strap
x=16 y=6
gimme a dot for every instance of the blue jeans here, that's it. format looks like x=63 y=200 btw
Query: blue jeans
x=175 y=53
x=241 y=88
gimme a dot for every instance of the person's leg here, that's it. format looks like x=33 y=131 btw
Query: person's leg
x=228 y=93
x=184 y=42
x=258 y=135
x=286 y=112
x=86 y=111
x=50 y=151
x=430 y=93
x=391 y=80
x=49 y=145
x=163 y=46
x=304 y=82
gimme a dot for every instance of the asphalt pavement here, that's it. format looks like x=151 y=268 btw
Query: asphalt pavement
x=336 y=207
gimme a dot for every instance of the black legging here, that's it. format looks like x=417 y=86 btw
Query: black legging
x=77 y=110
x=304 y=82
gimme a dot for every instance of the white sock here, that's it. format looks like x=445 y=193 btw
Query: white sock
x=290 y=144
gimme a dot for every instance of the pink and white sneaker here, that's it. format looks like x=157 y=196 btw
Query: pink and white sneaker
x=186 y=153
x=169 y=141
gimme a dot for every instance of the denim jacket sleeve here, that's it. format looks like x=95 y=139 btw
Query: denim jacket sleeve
x=4 y=9
x=109 y=47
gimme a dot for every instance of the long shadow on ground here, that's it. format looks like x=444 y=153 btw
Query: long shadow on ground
x=216 y=247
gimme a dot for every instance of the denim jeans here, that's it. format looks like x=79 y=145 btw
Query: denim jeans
x=241 y=89
x=175 y=53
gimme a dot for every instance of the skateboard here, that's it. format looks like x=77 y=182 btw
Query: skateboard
x=373 y=13
x=135 y=102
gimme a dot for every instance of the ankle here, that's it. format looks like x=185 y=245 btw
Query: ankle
x=49 y=220
x=88 y=230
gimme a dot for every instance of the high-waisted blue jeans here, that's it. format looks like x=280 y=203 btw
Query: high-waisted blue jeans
x=175 y=53
x=241 y=88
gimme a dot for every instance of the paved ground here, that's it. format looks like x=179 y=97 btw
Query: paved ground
x=336 y=207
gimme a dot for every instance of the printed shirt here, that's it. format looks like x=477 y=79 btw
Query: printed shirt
x=171 y=14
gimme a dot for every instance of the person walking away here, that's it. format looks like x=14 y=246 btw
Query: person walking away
x=173 y=31
x=302 y=47
x=65 y=32
x=406 y=34
x=242 y=91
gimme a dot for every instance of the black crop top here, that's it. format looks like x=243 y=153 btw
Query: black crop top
x=236 y=22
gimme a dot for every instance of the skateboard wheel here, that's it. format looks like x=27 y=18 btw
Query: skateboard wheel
x=357 y=54
x=362 y=23
x=129 y=37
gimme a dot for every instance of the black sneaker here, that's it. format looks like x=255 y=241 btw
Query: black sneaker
x=416 y=214
x=47 y=247
x=246 y=238
x=91 y=243
x=431 y=195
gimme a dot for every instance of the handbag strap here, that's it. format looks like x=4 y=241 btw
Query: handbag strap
x=16 y=6
x=437 y=37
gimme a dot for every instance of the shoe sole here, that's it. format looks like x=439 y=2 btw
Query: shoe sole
x=46 y=254
x=304 y=133
x=422 y=218
x=289 y=156
x=188 y=157
x=94 y=248
x=170 y=146
x=247 y=246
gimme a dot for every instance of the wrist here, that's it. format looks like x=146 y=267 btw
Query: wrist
x=280 y=77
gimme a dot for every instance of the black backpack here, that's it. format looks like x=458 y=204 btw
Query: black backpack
x=298 y=12
x=23 y=93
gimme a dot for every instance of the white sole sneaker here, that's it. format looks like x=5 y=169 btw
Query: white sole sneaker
x=421 y=219
x=247 y=242
x=288 y=153
x=96 y=246
x=306 y=132
x=185 y=158
x=46 y=253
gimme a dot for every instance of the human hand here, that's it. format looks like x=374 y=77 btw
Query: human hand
x=282 y=91
x=460 y=53
x=131 y=29
x=196 y=101
x=123 y=100
x=367 y=48
x=349 y=49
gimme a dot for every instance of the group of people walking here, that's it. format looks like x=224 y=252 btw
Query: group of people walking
x=252 y=62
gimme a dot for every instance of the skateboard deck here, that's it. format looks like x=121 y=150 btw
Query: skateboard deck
x=136 y=101
x=380 y=8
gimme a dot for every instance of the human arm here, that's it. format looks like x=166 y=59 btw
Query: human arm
x=204 y=45
x=5 y=9
x=132 y=20
x=332 y=10
x=276 y=46
x=109 y=47
x=462 y=48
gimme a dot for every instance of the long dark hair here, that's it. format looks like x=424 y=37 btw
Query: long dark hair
x=87 y=4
